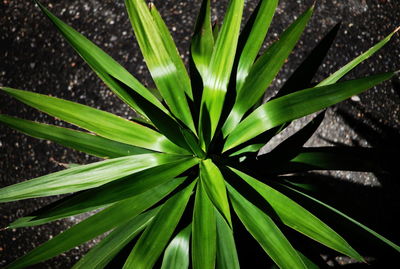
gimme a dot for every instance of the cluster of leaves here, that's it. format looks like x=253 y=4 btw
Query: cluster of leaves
x=181 y=178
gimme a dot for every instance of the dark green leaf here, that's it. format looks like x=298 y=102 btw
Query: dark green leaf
x=100 y=255
x=227 y=257
x=204 y=231
x=265 y=231
x=298 y=218
x=255 y=39
x=177 y=253
x=387 y=241
x=91 y=227
x=157 y=234
x=203 y=40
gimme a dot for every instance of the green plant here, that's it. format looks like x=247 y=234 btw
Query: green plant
x=183 y=175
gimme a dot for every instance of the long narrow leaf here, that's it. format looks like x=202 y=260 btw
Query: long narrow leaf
x=112 y=192
x=298 y=218
x=111 y=127
x=260 y=26
x=85 y=142
x=91 y=227
x=297 y=105
x=348 y=67
x=83 y=177
x=204 y=231
x=100 y=255
x=227 y=257
x=177 y=253
x=214 y=184
x=382 y=238
x=265 y=231
x=264 y=71
x=203 y=39
x=219 y=70
x=171 y=78
x=156 y=236
x=104 y=66
x=172 y=50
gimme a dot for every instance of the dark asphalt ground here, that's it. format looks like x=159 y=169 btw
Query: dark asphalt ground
x=33 y=56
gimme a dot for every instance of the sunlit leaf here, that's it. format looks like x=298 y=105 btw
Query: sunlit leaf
x=177 y=253
x=85 y=142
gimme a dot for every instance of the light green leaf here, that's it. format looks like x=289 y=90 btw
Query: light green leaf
x=348 y=67
x=172 y=50
x=164 y=63
x=382 y=238
x=204 y=231
x=104 y=66
x=299 y=219
x=262 y=21
x=227 y=257
x=176 y=255
x=219 y=71
x=203 y=40
x=112 y=192
x=265 y=70
x=100 y=255
x=265 y=231
x=83 y=177
x=157 y=234
x=85 y=142
x=214 y=184
x=100 y=122
x=296 y=105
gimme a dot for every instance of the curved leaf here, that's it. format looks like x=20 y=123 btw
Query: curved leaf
x=177 y=253
x=85 y=142
x=111 y=127
x=296 y=105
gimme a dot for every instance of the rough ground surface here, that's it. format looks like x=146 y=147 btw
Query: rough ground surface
x=33 y=56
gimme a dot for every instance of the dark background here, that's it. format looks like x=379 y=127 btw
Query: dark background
x=33 y=56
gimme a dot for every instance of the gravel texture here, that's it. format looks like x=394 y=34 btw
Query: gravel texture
x=35 y=57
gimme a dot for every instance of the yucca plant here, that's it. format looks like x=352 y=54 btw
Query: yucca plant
x=183 y=177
